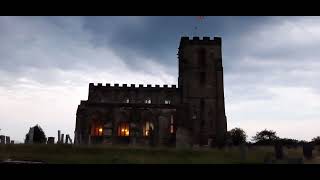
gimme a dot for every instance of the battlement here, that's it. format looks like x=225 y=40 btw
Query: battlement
x=198 y=40
x=126 y=86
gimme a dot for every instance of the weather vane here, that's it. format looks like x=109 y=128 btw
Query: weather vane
x=199 y=18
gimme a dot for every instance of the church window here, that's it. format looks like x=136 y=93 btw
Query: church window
x=97 y=131
x=147 y=127
x=123 y=129
x=171 y=125
x=127 y=100
x=147 y=101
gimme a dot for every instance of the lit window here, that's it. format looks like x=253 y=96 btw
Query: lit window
x=97 y=131
x=146 y=129
x=167 y=102
x=127 y=100
x=123 y=129
x=171 y=125
x=147 y=101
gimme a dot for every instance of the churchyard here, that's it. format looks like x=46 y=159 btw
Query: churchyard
x=117 y=154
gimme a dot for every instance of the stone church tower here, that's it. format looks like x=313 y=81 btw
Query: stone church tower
x=192 y=113
x=201 y=84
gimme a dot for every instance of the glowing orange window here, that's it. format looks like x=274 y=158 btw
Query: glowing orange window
x=97 y=131
x=123 y=129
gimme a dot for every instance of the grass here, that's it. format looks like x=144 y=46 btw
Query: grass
x=102 y=154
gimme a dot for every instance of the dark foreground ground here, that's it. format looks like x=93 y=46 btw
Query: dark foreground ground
x=66 y=154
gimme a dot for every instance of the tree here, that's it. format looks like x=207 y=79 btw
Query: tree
x=39 y=136
x=265 y=137
x=316 y=140
x=237 y=136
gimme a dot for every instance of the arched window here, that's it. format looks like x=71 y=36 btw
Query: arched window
x=167 y=101
x=147 y=101
x=127 y=100
x=96 y=130
x=147 y=127
x=123 y=129
x=171 y=125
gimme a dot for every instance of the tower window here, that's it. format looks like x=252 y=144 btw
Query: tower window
x=171 y=125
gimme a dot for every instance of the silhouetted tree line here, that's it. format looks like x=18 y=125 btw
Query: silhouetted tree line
x=238 y=136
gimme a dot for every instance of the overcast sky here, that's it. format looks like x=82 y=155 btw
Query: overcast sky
x=270 y=67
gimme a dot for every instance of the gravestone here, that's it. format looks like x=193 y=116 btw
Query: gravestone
x=307 y=150
x=243 y=152
x=278 y=150
x=2 y=139
x=50 y=140
x=61 y=138
x=7 y=139
x=67 y=139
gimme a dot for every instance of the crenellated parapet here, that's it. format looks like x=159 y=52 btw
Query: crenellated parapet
x=198 y=40
x=134 y=93
x=132 y=86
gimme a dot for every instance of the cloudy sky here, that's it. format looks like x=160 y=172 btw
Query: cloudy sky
x=270 y=67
